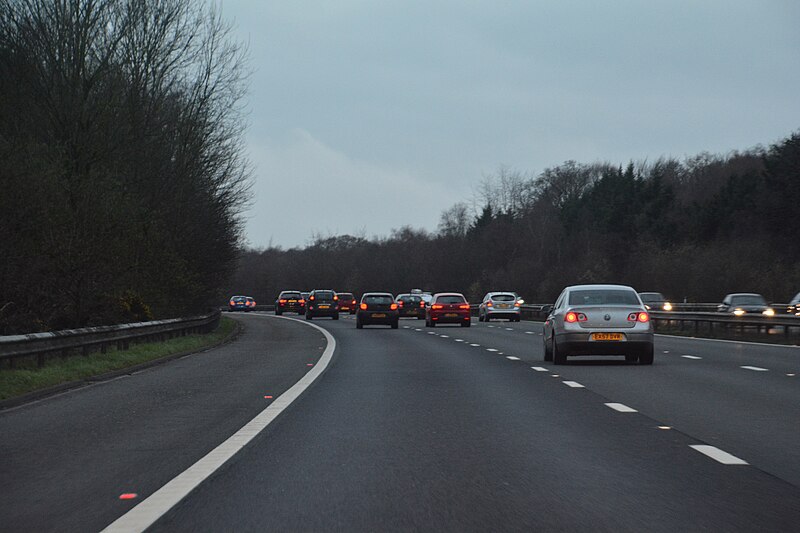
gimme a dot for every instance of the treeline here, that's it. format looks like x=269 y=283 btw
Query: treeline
x=121 y=166
x=696 y=228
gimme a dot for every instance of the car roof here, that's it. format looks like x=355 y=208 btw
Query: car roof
x=598 y=286
x=744 y=294
x=447 y=294
x=377 y=294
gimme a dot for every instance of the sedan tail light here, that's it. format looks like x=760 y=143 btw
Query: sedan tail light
x=437 y=306
x=639 y=317
x=463 y=306
x=573 y=317
x=282 y=301
x=363 y=306
x=301 y=301
x=393 y=307
x=400 y=303
x=489 y=304
x=353 y=302
x=232 y=303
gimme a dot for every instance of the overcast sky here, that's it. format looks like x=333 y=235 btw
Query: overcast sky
x=370 y=115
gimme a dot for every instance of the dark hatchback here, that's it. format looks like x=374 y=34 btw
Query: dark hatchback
x=411 y=305
x=322 y=303
x=377 y=308
x=291 y=301
x=347 y=302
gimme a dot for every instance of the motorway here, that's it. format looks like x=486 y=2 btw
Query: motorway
x=446 y=428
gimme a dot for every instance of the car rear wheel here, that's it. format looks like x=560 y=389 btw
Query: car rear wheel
x=336 y=316
x=395 y=324
x=308 y=317
x=359 y=325
x=559 y=357
x=548 y=353
x=466 y=324
x=646 y=357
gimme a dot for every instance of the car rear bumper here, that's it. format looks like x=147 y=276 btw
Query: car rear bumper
x=331 y=311
x=581 y=344
x=368 y=317
x=292 y=308
x=503 y=313
x=440 y=318
x=413 y=312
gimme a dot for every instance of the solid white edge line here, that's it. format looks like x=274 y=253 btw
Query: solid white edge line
x=756 y=368
x=573 y=384
x=621 y=407
x=718 y=455
x=725 y=340
x=149 y=510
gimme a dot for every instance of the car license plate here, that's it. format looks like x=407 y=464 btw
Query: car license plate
x=324 y=306
x=607 y=336
x=292 y=301
x=503 y=306
x=379 y=315
x=451 y=315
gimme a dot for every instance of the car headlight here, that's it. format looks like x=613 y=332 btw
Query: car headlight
x=667 y=306
x=768 y=312
x=738 y=312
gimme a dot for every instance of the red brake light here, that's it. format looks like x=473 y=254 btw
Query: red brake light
x=571 y=317
x=463 y=306
x=335 y=297
x=282 y=301
x=311 y=298
x=400 y=303
x=354 y=302
x=393 y=307
x=363 y=306
x=643 y=317
x=437 y=306
x=422 y=303
x=302 y=301
x=489 y=304
x=233 y=303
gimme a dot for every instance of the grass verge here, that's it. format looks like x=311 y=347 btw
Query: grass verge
x=27 y=377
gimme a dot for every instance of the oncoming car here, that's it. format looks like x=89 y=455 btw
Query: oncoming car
x=322 y=303
x=598 y=320
x=241 y=303
x=500 y=305
x=377 y=308
x=745 y=303
x=655 y=301
x=447 y=308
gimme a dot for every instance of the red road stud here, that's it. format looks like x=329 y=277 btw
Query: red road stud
x=268 y=397
x=128 y=496
x=309 y=364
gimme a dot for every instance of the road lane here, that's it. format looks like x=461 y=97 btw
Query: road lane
x=415 y=431
x=65 y=461
x=709 y=396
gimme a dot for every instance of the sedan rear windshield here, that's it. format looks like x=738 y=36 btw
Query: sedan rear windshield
x=378 y=299
x=503 y=298
x=238 y=298
x=603 y=297
x=450 y=300
x=749 y=299
x=414 y=299
x=651 y=297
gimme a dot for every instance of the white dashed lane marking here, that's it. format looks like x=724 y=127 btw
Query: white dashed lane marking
x=529 y=332
x=491 y=350
x=573 y=384
x=474 y=344
x=444 y=336
x=621 y=407
x=431 y=333
x=691 y=357
x=512 y=358
x=755 y=368
x=459 y=340
x=540 y=369
x=718 y=455
x=509 y=329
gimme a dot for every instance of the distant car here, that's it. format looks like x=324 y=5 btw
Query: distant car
x=794 y=305
x=291 y=301
x=411 y=305
x=322 y=303
x=598 y=320
x=500 y=305
x=745 y=303
x=304 y=295
x=347 y=302
x=426 y=296
x=447 y=308
x=377 y=308
x=241 y=303
x=655 y=301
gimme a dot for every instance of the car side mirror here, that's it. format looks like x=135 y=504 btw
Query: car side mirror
x=547 y=309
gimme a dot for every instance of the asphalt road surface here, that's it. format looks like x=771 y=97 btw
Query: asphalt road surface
x=447 y=428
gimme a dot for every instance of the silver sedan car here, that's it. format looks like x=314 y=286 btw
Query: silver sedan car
x=500 y=305
x=598 y=320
